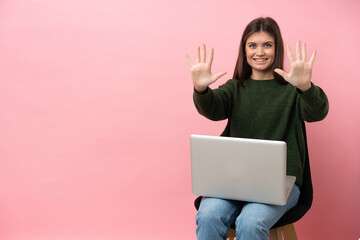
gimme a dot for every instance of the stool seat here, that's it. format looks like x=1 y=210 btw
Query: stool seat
x=286 y=232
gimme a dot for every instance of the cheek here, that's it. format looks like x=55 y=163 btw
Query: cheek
x=249 y=52
x=249 y=59
x=272 y=53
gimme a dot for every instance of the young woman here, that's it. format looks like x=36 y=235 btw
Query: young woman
x=264 y=102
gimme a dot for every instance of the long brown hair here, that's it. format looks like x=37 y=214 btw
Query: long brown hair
x=242 y=68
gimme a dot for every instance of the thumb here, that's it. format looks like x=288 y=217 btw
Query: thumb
x=218 y=75
x=281 y=73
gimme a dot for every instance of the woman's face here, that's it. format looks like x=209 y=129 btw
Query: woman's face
x=260 y=54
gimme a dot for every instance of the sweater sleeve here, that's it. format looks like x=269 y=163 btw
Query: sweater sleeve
x=314 y=105
x=215 y=104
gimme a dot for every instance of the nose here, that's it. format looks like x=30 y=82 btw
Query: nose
x=260 y=51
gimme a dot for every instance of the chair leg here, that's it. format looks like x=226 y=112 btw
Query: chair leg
x=287 y=231
x=231 y=234
x=275 y=234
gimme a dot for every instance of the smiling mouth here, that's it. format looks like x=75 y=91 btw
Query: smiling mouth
x=260 y=59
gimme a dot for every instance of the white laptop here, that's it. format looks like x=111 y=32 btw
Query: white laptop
x=240 y=169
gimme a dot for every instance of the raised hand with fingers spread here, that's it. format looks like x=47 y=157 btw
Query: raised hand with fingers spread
x=201 y=71
x=300 y=70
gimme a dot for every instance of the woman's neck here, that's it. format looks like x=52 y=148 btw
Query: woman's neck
x=262 y=75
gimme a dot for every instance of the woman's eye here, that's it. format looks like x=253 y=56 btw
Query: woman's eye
x=252 y=45
x=268 y=45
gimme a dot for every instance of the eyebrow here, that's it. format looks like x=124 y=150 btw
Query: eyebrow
x=263 y=42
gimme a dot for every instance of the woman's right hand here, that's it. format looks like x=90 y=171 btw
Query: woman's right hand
x=201 y=70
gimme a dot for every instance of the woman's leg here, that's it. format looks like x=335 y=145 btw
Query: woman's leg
x=256 y=219
x=215 y=217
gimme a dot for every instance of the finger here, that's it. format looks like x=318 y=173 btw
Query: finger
x=198 y=55
x=211 y=57
x=218 y=75
x=290 y=55
x=304 y=52
x=298 y=55
x=312 y=59
x=281 y=73
x=188 y=61
x=203 y=53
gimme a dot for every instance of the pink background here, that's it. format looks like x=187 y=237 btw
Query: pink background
x=96 y=112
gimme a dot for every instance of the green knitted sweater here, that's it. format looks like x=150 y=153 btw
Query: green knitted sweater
x=266 y=109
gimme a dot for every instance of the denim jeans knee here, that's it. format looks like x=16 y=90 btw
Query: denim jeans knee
x=256 y=219
x=214 y=218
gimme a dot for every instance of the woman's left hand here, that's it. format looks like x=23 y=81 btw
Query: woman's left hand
x=300 y=70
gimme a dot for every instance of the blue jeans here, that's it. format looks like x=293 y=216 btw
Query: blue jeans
x=252 y=220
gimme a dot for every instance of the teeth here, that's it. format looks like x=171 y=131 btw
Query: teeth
x=259 y=59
